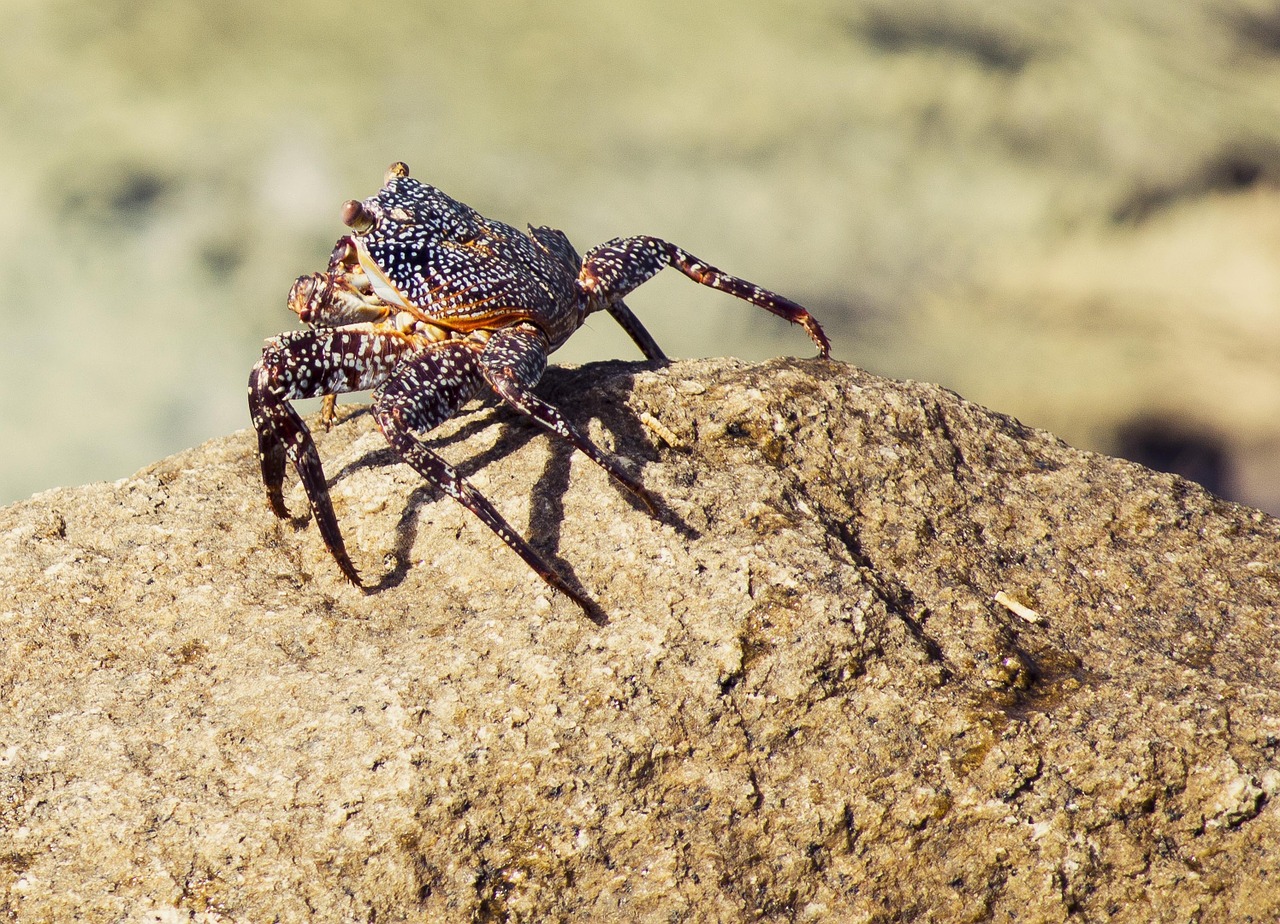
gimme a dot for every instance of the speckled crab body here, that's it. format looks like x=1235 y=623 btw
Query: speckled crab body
x=426 y=302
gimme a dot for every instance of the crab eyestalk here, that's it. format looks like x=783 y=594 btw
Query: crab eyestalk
x=397 y=171
x=357 y=217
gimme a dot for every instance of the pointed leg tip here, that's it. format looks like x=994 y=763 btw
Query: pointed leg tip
x=590 y=608
x=349 y=572
x=641 y=497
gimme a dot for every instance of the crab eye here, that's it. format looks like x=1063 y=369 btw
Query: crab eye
x=398 y=170
x=356 y=216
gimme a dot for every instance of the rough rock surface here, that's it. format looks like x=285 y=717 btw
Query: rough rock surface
x=807 y=703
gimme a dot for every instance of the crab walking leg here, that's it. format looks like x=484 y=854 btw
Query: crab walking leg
x=616 y=267
x=513 y=361
x=556 y=244
x=636 y=331
x=304 y=364
x=424 y=393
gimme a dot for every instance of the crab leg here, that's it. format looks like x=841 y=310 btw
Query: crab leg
x=636 y=331
x=305 y=364
x=556 y=244
x=617 y=267
x=425 y=392
x=513 y=361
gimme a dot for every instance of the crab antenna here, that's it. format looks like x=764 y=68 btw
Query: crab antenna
x=356 y=216
x=397 y=170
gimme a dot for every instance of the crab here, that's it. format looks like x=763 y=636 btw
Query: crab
x=427 y=302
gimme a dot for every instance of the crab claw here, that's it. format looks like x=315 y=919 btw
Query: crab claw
x=332 y=300
x=356 y=216
x=304 y=289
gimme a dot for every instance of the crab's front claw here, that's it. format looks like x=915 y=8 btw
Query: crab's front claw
x=283 y=436
x=335 y=299
x=271 y=456
x=303 y=294
x=307 y=364
x=271 y=450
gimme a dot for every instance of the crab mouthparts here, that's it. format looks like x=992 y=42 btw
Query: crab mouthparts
x=381 y=285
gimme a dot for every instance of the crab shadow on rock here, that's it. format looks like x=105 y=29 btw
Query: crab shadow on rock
x=560 y=385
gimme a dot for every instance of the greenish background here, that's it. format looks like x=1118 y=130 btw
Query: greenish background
x=1067 y=211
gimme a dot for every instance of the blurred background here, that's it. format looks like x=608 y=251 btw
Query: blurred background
x=1067 y=211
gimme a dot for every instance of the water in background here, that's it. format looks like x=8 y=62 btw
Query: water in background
x=1066 y=211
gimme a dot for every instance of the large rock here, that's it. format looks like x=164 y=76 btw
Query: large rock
x=807 y=702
